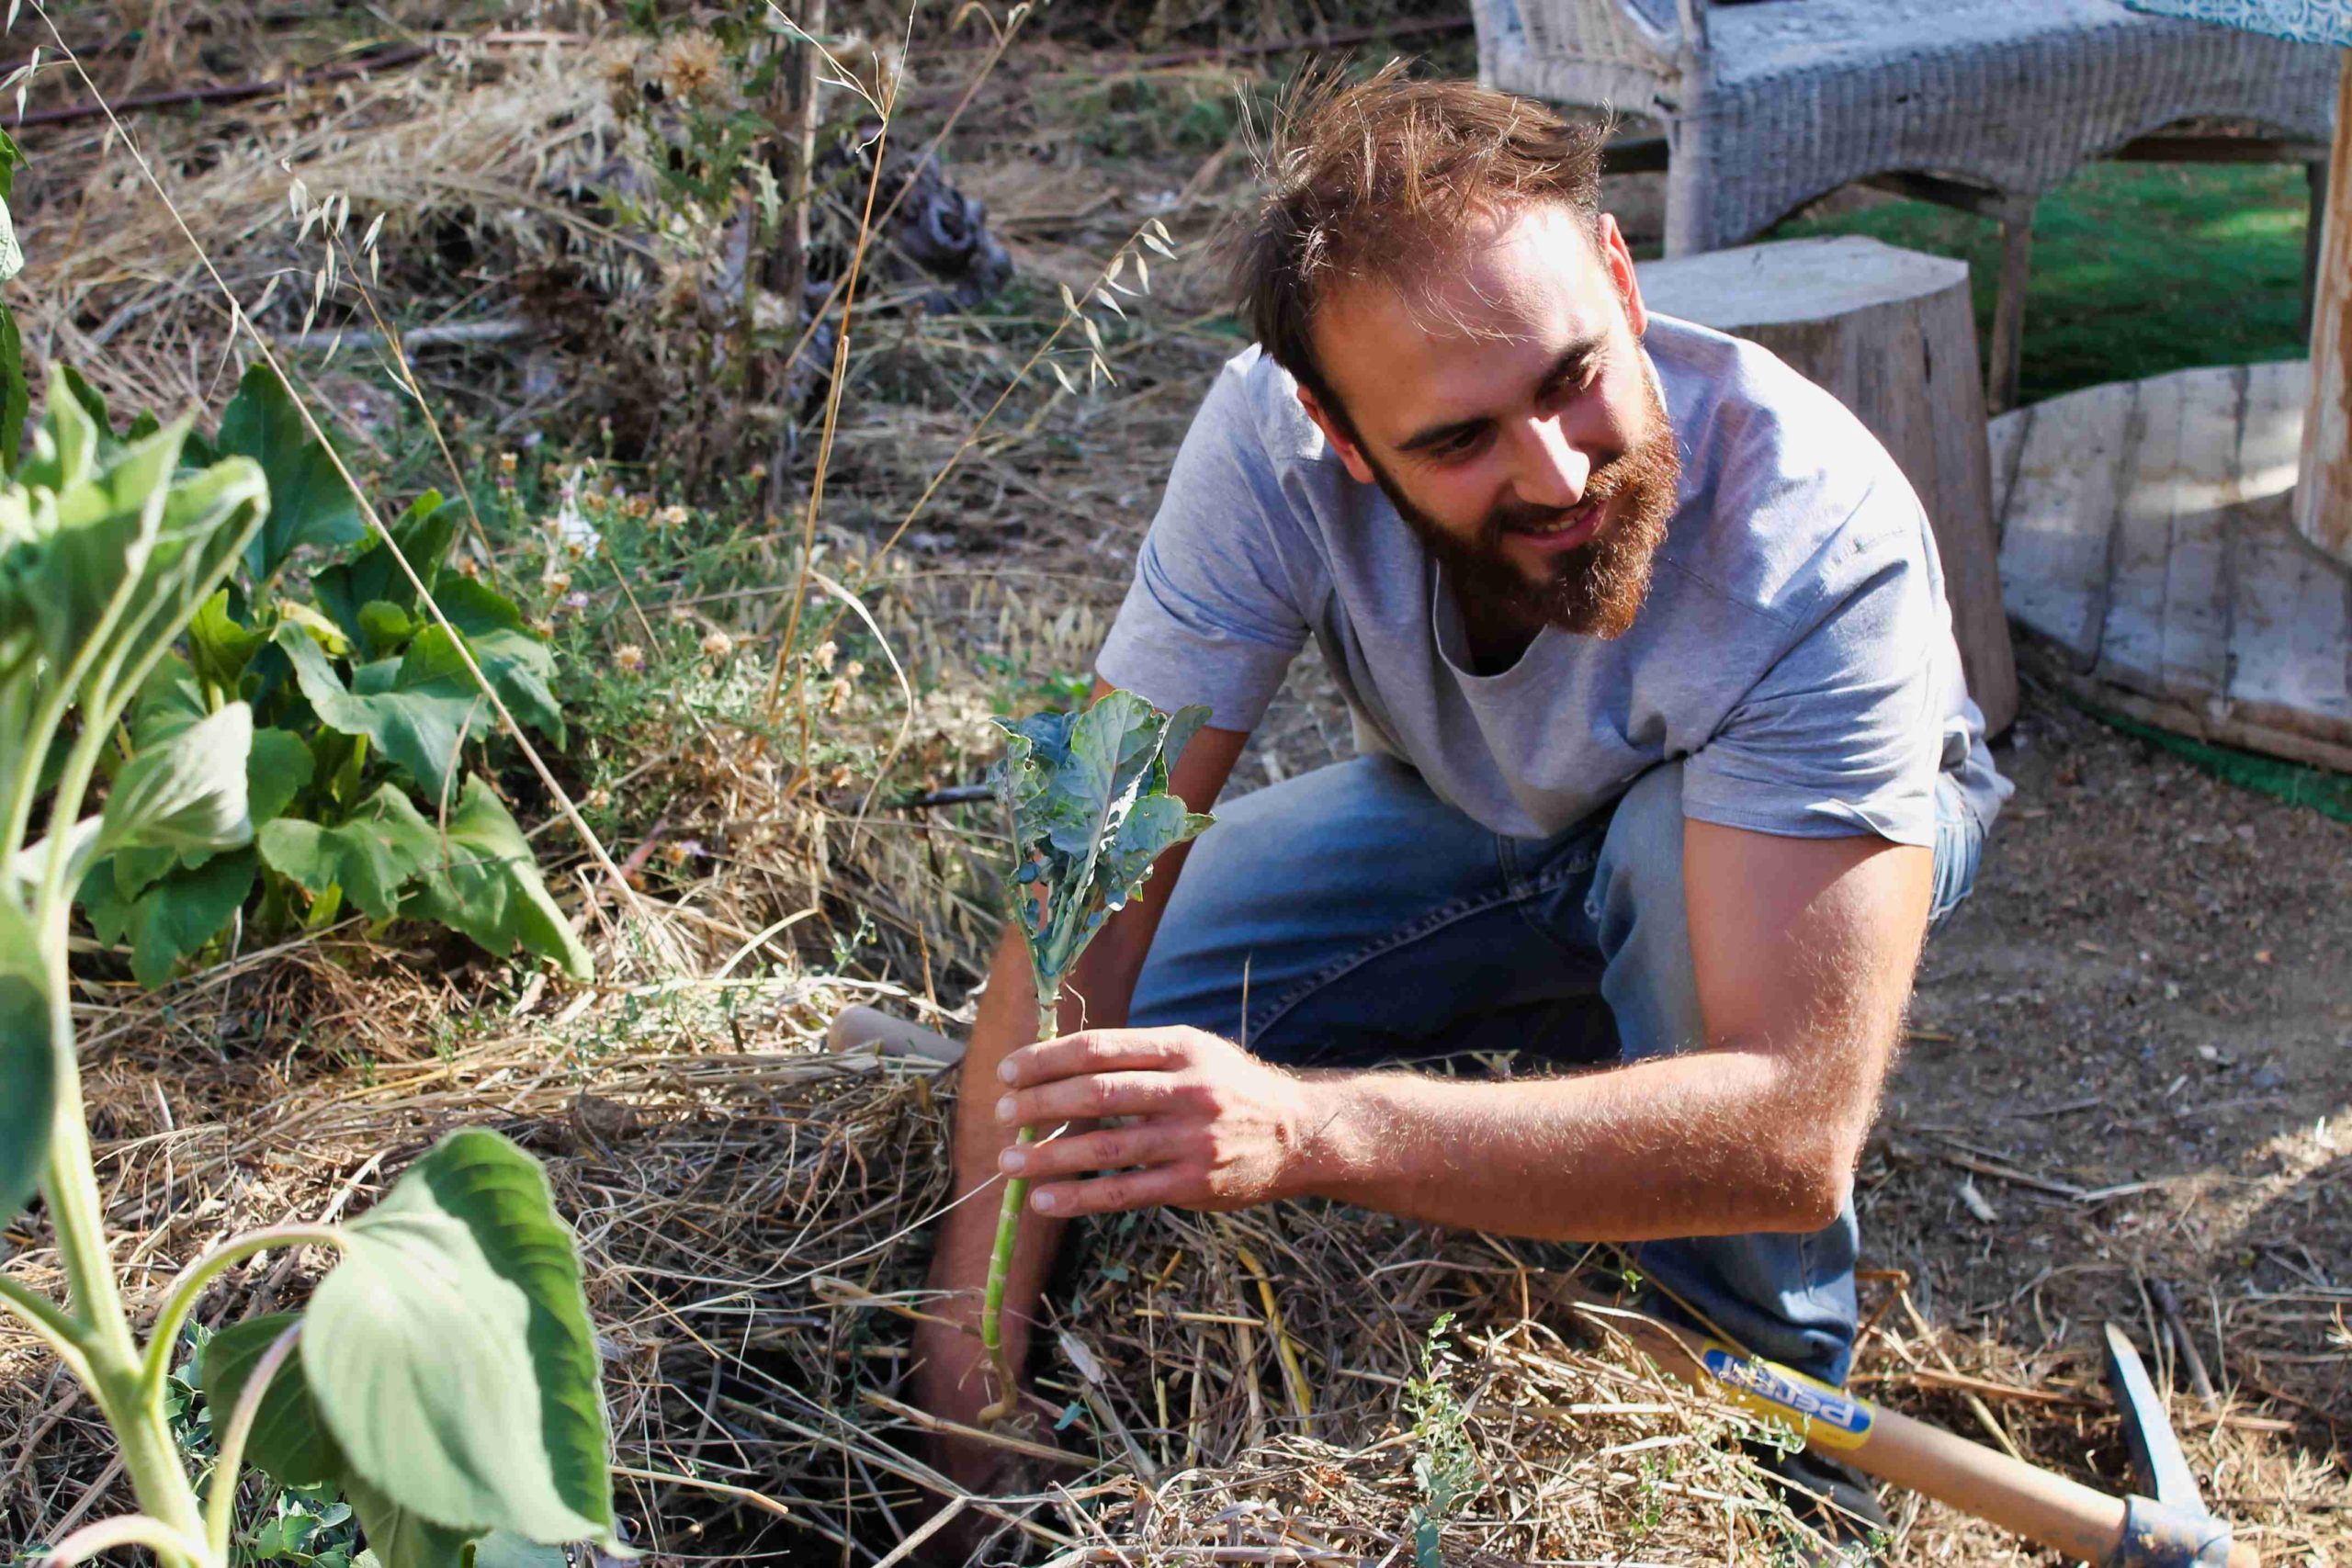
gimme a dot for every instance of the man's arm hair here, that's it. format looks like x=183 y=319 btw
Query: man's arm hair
x=1804 y=951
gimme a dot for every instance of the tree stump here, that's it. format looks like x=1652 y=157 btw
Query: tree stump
x=1891 y=334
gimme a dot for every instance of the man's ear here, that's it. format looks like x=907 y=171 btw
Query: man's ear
x=1609 y=241
x=1349 y=453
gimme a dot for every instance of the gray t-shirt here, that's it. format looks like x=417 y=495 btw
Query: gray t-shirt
x=1796 y=651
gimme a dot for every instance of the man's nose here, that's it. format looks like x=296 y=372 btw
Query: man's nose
x=1551 y=470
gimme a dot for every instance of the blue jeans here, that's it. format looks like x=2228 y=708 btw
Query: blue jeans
x=1366 y=922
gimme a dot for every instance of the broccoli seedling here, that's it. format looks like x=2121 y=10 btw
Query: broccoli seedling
x=1087 y=795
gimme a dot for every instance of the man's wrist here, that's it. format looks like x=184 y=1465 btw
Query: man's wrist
x=1331 y=1145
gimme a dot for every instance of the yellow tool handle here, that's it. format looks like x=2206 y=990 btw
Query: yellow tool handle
x=2084 y=1524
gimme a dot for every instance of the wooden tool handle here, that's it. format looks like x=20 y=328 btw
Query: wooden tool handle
x=859 y=1025
x=2084 y=1524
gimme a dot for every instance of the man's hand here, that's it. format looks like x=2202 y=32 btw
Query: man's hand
x=1208 y=1126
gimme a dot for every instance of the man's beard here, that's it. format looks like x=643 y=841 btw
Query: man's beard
x=1593 y=590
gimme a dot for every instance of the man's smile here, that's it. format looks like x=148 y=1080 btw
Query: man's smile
x=1562 y=533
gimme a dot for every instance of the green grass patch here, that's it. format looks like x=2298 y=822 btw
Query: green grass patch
x=2138 y=268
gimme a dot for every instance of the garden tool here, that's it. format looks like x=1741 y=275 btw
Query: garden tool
x=2169 y=1529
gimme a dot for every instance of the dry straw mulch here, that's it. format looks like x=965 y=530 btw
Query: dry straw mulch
x=1238 y=1388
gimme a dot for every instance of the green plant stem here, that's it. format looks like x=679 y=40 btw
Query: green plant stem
x=187 y=1289
x=113 y=1373
x=129 y=1529
x=17 y=810
x=1008 y=1232
x=220 y=1507
x=112 y=1370
x=63 y=1331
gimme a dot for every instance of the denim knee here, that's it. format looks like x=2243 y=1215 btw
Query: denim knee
x=1639 y=916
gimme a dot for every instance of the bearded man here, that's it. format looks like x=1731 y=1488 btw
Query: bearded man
x=1667 y=768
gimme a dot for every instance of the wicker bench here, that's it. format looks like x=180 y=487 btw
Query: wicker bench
x=1981 y=104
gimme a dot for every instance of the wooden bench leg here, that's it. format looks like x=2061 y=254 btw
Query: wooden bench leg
x=2008 y=309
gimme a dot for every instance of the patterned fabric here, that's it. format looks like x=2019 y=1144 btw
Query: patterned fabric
x=2300 y=21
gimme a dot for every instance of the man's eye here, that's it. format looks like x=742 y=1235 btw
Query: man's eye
x=1459 y=444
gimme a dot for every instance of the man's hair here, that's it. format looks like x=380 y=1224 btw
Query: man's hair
x=1373 y=182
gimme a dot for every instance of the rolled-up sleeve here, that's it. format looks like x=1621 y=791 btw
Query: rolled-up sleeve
x=1214 y=612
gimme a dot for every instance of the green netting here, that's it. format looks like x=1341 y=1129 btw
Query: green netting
x=2329 y=794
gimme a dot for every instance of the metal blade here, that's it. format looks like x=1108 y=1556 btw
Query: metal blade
x=2147 y=1428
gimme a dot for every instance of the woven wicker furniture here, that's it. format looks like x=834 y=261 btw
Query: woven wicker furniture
x=1982 y=103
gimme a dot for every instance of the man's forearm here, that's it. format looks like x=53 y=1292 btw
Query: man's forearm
x=1717 y=1142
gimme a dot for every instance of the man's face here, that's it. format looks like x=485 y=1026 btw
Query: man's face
x=1512 y=417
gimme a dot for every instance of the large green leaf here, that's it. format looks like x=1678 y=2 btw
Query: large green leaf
x=452 y=1353
x=169 y=701
x=373 y=857
x=288 y=1441
x=513 y=658
x=308 y=502
x=399 y=1537
x=486 y=884
x=416 y=710
x=279 y=770
x=187 y=793
x=183 y=910
x=28 y=1065
x=423 y=534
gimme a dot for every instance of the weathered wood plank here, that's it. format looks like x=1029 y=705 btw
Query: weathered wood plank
x=2061 y=512
x=2270 y=444
x=2131 y=647
x=2194 y=667
x=2292 y=606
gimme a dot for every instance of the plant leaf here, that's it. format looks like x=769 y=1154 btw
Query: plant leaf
x=513 y=658
x=12 y=256
x=28 y=1064
x=486 y=884
x=384 y=626
x=16 y=392
x=422 y=533
x=168 y=701
x=109 y=559
x=278 y=770
x=288 y=1440
x=417 y=712
x=401 y=1538
x=187 y=793
x=1156 y=824
x=219 y=647
x=504 y=1549
x=451 y=1353
x=1074 y=785
x=184 y=911
x=308 y=502
x=371 y=857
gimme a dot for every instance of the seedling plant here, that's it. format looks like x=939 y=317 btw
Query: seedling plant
x=1087 y=795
